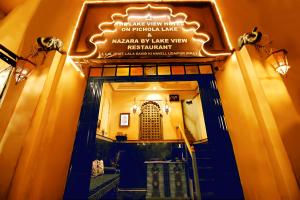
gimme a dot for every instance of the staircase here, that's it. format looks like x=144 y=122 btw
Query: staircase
x=217 y=174
x=217 y=178
x=205 y=164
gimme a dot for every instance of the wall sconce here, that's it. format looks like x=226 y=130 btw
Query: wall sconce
x=23 y=66
x=167 y=108
x=278 y=59
x=23 y=69
x=134 y=108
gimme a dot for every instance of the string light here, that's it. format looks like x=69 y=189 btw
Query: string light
x=222 y=24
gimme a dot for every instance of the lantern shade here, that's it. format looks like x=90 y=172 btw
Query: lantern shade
x=278 y=59
x=23 y=66
x=23 y=69
x=134 y=108
x=167 y=109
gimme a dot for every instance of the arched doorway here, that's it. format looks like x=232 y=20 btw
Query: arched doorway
x=150 y=121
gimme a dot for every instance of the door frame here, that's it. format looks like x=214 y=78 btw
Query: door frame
x=77 y=185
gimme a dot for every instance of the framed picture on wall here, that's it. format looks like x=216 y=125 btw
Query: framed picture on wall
x=124 y=119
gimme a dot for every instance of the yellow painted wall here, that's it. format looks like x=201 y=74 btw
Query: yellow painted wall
x=254 y=164
x=105 y=111
x=286 y=180
x=283 y=109
x=277 y=19
x=254 y=132
x=194 y=119
x=14 y=26
x=283 y=93
x=8 y=5
x=50 y=133
x=13 y=136
x=12 y=31
x=36 y=133
x=122 y=102
x=2 y=15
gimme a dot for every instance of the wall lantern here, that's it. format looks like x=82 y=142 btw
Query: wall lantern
x=23 y=66
x=23 y=69
x=134 y=108
x=278 y=59
x=167 y=108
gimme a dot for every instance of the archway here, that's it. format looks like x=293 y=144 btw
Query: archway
x=150 y=121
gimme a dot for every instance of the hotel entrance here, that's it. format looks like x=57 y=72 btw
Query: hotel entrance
x=149 y=99
x=152 y=135
x=139 y=136
x=151 y=123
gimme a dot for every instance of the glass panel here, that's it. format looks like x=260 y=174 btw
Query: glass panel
x=95 y=72
x=177 y=70
x=191 y=69
x=136 y=71
x=164 y=70
x=122 y=71
x=205 y=69
x=150 y=70
x=108 y=71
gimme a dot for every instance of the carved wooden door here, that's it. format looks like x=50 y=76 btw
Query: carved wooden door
x=150 y=121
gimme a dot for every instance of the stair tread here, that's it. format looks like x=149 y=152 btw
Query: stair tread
x=207 y=180
x=204 y=158
x=206 y=167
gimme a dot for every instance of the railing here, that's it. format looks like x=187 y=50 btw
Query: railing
x=194 y=163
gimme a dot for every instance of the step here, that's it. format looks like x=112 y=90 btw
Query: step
x=203 y=146
x=205 y=169
x=205 y=152
x=206 y=161
x=131 y=193
x=209 y=186
x=210 y=179
x=209 y=196
x=203 y=163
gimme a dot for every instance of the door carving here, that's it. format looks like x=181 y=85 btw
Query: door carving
x=150 y=121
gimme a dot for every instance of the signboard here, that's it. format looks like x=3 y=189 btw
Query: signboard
x=148 y=31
